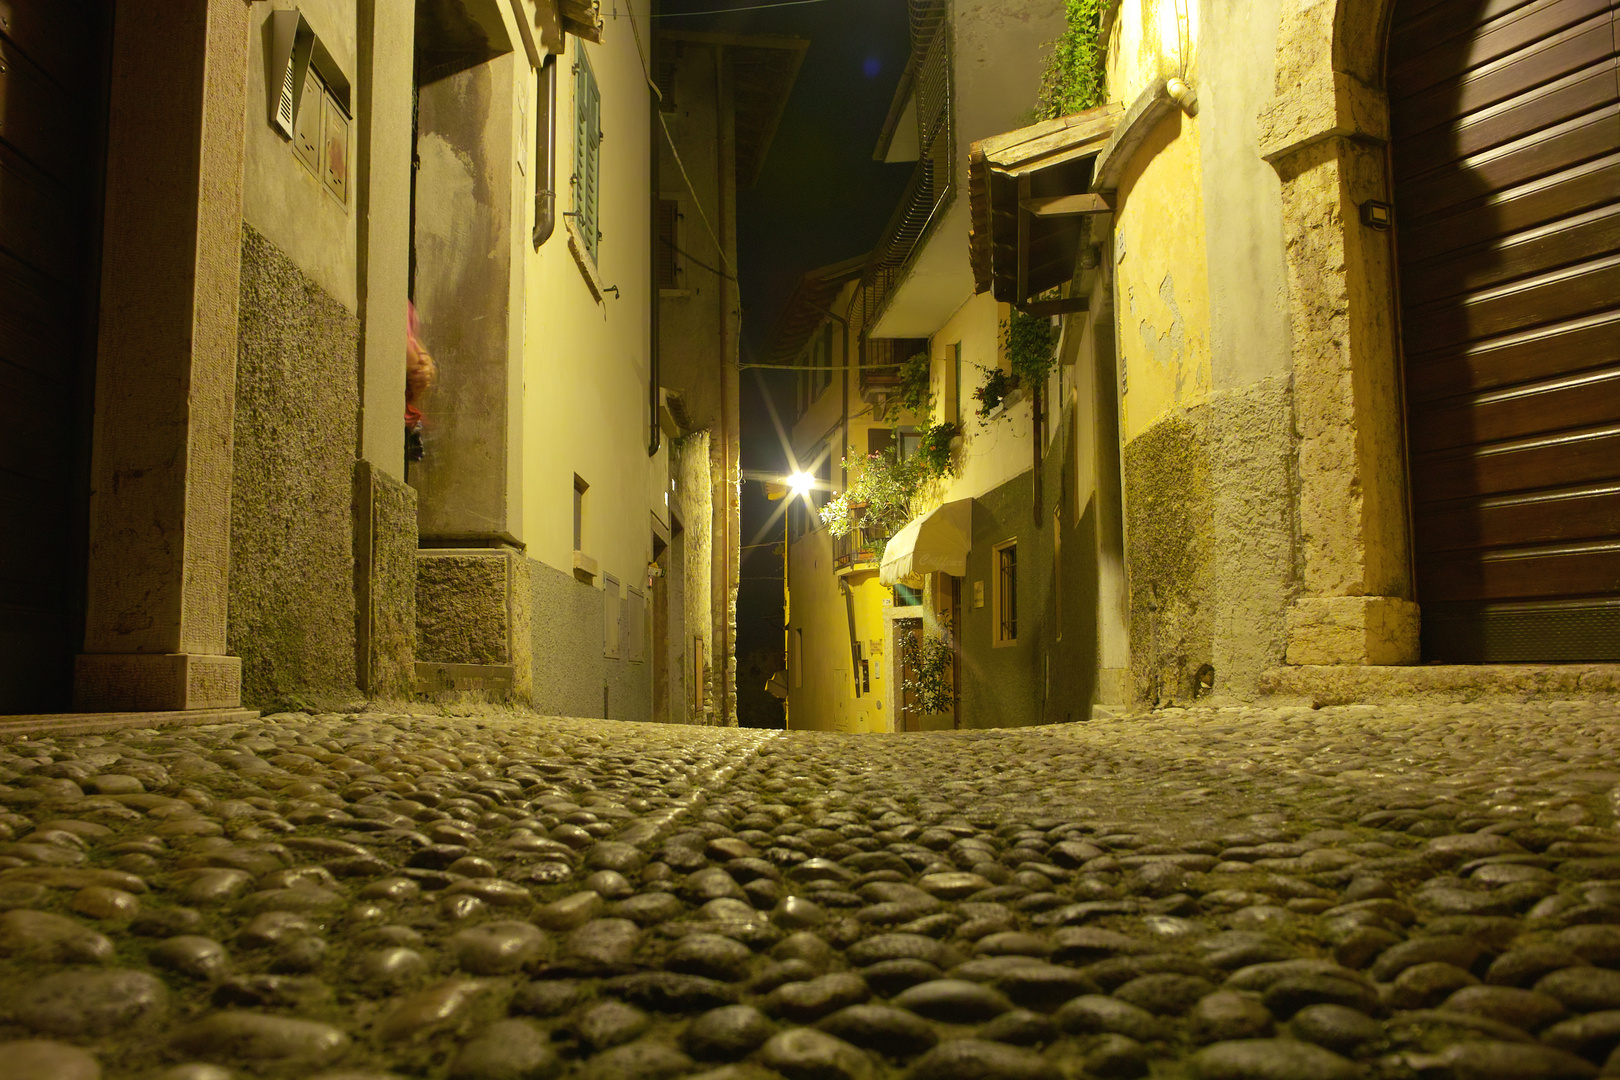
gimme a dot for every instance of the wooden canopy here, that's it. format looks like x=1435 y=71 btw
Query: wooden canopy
x=1029 y=191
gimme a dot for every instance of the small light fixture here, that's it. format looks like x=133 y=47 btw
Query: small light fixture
x=1377 y=215
x=800 y=483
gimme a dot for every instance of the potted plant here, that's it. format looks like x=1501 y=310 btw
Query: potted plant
x=996 y=388
x=927 y=658
x=878 y=499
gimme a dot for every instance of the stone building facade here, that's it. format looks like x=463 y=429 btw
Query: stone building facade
x=1329 y=419
x=260 y=191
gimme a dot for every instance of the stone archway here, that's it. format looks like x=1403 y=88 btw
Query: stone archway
x=1325 y=132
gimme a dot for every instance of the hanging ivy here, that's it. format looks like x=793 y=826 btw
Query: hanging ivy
x=915 y=393
x=1075 y=78
x=933 y=456
x=1029 y=347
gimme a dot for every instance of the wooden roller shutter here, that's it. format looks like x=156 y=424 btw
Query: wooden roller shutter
x=1506 y=165
x=51 y=75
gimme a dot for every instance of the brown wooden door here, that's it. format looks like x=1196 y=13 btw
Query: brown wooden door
x=51 y=78
x=1506 y=165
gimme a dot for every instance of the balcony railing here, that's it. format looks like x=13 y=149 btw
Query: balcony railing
x=855 y=550
x=933 y=182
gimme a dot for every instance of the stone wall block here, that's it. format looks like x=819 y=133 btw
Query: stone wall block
x=462 y=607
x=385 y=582
x=292 y=595
x=1352 y=630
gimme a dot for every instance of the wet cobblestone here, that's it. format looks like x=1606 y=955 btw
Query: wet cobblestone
x=1200 y=895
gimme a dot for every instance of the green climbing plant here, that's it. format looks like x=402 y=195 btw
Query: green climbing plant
x=1029 y=347
x=915 y=394
x=927 y=659
x=933 y=456
x=1075 y=78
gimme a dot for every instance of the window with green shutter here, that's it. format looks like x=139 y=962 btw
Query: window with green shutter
x=587 y=182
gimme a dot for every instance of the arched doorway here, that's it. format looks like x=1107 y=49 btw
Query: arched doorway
x=1505 y=163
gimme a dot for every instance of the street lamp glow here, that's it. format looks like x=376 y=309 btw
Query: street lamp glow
x=801 y=483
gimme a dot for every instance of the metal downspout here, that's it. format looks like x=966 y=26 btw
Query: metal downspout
x=545 y=194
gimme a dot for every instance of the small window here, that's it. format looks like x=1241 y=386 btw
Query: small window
x=908 y=439
x=906 y=596
x=667 y=256
x=611 y=604
x=956 y=384
x=638 y=626
x=1004 y=591
x=879 y=440
x=587 y=152
x=666 y=86
x=580 y=487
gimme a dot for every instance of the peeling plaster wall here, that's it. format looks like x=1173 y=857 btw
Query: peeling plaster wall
x=291 y=613
x=692 y=652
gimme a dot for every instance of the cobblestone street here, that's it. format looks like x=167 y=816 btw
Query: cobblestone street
x=1221 y=895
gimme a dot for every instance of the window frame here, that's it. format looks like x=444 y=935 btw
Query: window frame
x=1004 y=593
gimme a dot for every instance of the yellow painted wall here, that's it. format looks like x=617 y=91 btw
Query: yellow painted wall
x=1160 y=259
x=991 y=453
x=586 y=362
x=1161 y=278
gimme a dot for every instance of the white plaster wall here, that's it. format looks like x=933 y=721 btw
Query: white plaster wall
x=586 y=363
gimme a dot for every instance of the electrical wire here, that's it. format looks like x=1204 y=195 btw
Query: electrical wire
x=697 y=204
x=729 y=10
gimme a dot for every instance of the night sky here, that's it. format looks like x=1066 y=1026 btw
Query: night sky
x=820 y=199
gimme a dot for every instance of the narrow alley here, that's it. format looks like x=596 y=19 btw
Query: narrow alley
x=1281 y=894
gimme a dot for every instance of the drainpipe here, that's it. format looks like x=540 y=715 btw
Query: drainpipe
x=545 y=194
x=655 y=433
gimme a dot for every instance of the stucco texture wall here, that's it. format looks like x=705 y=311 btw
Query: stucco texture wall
x=292 y=558
x=1039 y=679
x=570 y=670
x=391 y=581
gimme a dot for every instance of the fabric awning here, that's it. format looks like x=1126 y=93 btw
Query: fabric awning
x=937 y=541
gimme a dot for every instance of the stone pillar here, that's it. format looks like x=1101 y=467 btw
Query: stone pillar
x=1325 y=133
x=166 y=371
x=385 y=507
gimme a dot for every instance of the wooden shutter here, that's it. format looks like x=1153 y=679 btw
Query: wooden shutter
x=1506 y=164
x=587 y=151
x=666 y=253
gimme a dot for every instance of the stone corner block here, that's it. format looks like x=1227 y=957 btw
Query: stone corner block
x=472 y=608
x=1311 y=112
x=1325 y=630
x=156 y=682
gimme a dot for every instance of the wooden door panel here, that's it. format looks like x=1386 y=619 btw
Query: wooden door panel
x=1576 y=401
x=1576 y=570
x=36 y=331
x=1556 y=296
x=34 y=111
x=1450 y=140
x=1563 y=146
x=1495 y=262
x=36 y=225
x=1581 y=513
x=1576 y=190
x=1545 y=352
x=37 y=437
x=1420 y=27
x=1517 y=31
x=1505 y=156
x=1565 y=460
x=54 y=34
x=1450 y=102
